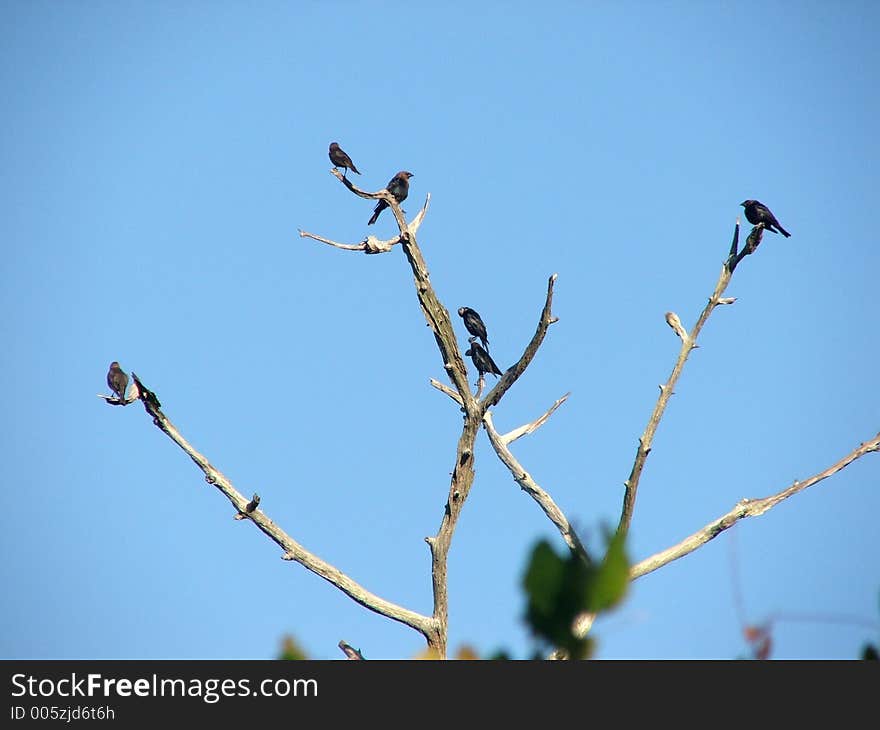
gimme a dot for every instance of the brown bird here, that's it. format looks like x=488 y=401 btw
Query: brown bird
x=757 y=212
x=483 y=362
x=117 y=380
x=340 y=159
x=398 y=186
x=474 y=324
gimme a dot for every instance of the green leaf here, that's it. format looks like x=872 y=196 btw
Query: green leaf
x=611 y=578
x=560 y=587
x=544 y=576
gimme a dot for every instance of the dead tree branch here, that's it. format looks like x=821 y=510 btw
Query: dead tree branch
x=371 y=244
x=532 y=488
x=443 y=388
x=688 y=343
x=350 y=652
x=528 y=428
x=746 y=508
x=512 y=374
x=248 y=509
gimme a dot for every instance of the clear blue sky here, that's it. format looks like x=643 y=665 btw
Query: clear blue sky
x=157 y=161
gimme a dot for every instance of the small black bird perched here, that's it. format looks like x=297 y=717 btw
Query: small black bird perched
x=340 y=159
x=474 y=324
x=757 y=212
x=398 y=186
x=482 y=360
x=117 y=380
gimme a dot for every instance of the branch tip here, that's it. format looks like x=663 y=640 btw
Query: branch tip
x=673 y=321
x=350 y=652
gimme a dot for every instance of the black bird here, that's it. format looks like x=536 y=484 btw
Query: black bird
x=474 y=324
x=482 y=360
x=117 y=380
x=757 y=212
x=340 y=159
x=398 y=186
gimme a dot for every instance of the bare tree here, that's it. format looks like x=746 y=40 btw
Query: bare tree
x=475 y=408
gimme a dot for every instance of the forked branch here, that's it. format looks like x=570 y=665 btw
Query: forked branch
x=744 y=508
x=688 y=343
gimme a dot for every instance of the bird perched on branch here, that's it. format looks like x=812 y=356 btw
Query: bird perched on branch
x=474 y=324
x=481 y=359
x=757 y=212
x=340 y=159
x=117 y=380
x=398 y=186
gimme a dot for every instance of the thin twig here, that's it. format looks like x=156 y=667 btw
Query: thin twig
x=688 y=343
x=345 y=246
x=416 y=222
x=443 y=388
x=382 y=194
x=528 y=428
x=350 y=652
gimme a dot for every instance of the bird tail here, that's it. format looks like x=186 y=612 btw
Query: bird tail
x=495 y=369
x=354 y=169
x=378 y=209
x=783 y=231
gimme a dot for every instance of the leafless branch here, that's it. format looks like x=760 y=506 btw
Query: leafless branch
x=292 y=549
x=350 y=652
x=752 y=243
x=512 y=374
x=370 y=245
x=531 y=487
x=420 y=216
x=362 y=246
x=446 y=389
x=382 y=194
x=688 y=343
x=746 y=508
x=131 y=397
x=528 y=428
